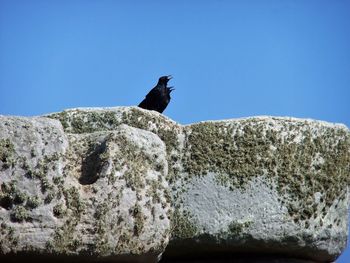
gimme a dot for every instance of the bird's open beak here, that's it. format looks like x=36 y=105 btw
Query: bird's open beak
x=169 y=77
x=171 y=89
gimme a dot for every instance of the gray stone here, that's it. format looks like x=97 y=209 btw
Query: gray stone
x=264 y=185
x=100 y=194
x=102 y=183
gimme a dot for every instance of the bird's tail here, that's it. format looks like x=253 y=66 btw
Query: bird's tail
x=143 y=104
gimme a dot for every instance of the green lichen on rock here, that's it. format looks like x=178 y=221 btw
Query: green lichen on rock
x=106 y=164
x=141 y=162
x=158 y=124
x=19 y=214
x=79 y=121
x=65 y=238
x=8 y=238
x=7 y=154
x=58 y=210
x=10 y=195
x=73 y=201
x=101 y=229
x=236 y=228
x=302 y=177
x=42 y=173
x=33 y=202
x=107 y=189
x=134 y=174
x=239 y=151
x=214 y=149
x=167 y=131
x=137 y=214
x=183 y=225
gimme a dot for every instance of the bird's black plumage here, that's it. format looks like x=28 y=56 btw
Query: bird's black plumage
x=159 y=97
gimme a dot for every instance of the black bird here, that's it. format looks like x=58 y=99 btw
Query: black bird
x=159 y=97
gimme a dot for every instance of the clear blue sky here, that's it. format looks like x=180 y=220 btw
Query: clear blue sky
x=229 y=58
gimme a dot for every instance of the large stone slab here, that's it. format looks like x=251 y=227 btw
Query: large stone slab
x=260 y=187
x=99 y=195
x=263 y=185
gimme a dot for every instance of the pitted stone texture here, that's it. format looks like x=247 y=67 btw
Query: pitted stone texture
x=101 y=194
x=264 y=185
x=31 y=151
x=260 y=185
x=85 y=120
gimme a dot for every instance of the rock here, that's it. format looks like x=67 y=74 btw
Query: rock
x=263 y=185
x=117 y=183
x=97 y=195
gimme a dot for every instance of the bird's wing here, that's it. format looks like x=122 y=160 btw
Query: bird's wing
x=153 y=92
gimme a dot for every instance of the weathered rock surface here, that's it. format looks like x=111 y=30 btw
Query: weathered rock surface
x=118 y=183
x=100 y=194
x=264 y=185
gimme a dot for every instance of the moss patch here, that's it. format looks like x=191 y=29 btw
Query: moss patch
x=7 y=154
x=78 y=121
x=108 y=157
x=183 y=225
x=251 y=148
x=10 y=195
x=33 y=202
x=87 y=121
x=8 y=238
x=236 y=228
x=65 y=238
x=19 y=214
x=137 y=214
x=58 y=210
